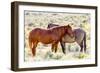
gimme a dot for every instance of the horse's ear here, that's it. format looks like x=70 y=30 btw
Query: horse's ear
x=68 y=25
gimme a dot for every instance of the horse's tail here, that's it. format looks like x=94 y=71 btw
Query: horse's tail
x=30 y=42
x=85 y=42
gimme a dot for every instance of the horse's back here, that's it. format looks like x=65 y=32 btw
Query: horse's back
x=79 y=30
x=39 y=31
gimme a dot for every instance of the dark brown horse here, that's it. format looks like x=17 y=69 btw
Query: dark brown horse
x=80 y=38
x=48 y=36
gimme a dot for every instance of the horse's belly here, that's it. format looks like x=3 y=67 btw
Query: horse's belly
x=45 y=41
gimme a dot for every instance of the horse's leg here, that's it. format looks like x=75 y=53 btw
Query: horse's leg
x=81 y=45
x=53 y=46
x=56 y=45
x=84 y=42
x=34 y=48
x=63 y=46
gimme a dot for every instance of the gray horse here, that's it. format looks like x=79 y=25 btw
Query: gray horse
x=80 y=38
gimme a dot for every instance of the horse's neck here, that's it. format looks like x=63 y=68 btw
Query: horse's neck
x=60 y=31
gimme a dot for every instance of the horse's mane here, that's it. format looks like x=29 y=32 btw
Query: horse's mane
x=55 y=27
x=58 y=27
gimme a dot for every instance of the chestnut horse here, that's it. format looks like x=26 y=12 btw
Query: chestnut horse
x=80 y=38
x=48 y=36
